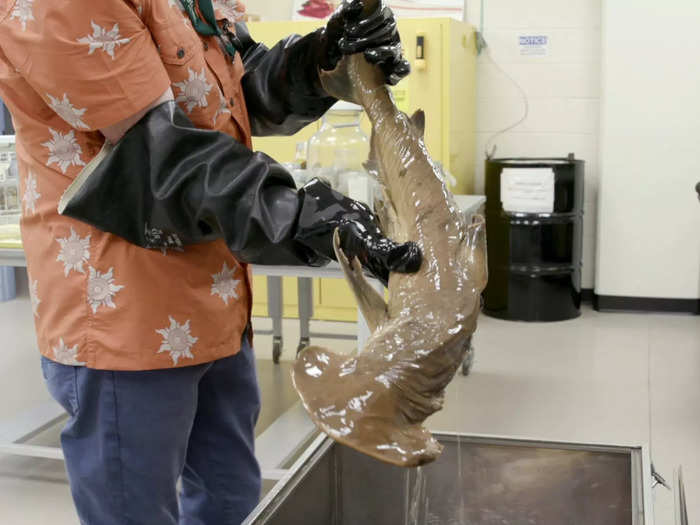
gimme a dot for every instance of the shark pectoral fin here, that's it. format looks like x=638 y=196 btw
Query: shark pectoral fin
x=389 y=218
x=383 y=208
x=418 y=121
x=369 y=300
x=382 y=213
x=475 y=251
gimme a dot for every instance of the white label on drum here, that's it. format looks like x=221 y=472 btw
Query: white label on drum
x=527 y=190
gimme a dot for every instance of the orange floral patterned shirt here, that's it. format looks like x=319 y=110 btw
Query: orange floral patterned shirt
x=68 y=69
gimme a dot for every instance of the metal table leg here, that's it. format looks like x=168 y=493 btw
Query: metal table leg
x=468 y=361
x=306 y=310
x=274 y=310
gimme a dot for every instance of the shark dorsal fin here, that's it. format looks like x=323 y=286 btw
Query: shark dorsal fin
x=418 y=121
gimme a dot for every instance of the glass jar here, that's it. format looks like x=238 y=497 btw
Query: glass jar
x=338 y=150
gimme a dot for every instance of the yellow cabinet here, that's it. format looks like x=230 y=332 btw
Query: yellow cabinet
x=290 y=303
x=442 y=84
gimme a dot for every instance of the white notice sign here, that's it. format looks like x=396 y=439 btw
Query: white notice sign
x=527 y=190
x=533 y=45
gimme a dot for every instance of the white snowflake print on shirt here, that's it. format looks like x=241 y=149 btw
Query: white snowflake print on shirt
x=31 y=194
x=34 y=296
x=224 y=284
x=194 y=90
x=100 y=38
x=66 y=355
x=101 y=289
x=67 y=112
x=23 y=12
x=64 y=150
x=74 y=252
x=223 y=107
x=228 y=9
x=177 y=340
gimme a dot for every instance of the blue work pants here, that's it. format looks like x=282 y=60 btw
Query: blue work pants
x=132 y=435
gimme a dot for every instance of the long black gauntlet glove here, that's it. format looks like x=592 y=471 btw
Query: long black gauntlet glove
x=167 y=184
x=323 y=210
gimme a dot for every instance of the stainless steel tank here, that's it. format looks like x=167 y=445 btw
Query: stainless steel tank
x=477 y=480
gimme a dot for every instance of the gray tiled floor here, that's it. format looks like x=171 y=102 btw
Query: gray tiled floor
x=604 y=377
x=276 y=390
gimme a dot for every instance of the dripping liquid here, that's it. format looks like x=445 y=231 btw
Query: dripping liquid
x=459 y=503
x=416 y=500
x=416 y=511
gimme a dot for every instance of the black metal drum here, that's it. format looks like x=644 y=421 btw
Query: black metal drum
x=534 y=225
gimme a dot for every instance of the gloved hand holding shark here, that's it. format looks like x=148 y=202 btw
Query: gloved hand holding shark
x=167 y=184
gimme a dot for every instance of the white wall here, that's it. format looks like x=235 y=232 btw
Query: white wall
x=562 y=87
x=649 y=239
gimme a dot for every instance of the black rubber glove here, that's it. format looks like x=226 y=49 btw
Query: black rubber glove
x=281 y=85
x=348 y=32
x=323 y=210
x=167 y=184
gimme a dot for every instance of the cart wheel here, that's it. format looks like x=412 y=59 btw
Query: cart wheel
x=276 y=349
x=468 y=361
x=303 y=343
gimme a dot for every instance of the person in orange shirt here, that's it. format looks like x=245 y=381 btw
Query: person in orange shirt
x=142 y=206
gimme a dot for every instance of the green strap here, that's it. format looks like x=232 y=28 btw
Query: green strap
x=208 y=26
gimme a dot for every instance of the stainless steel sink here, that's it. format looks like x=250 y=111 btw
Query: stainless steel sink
x=478 y=480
